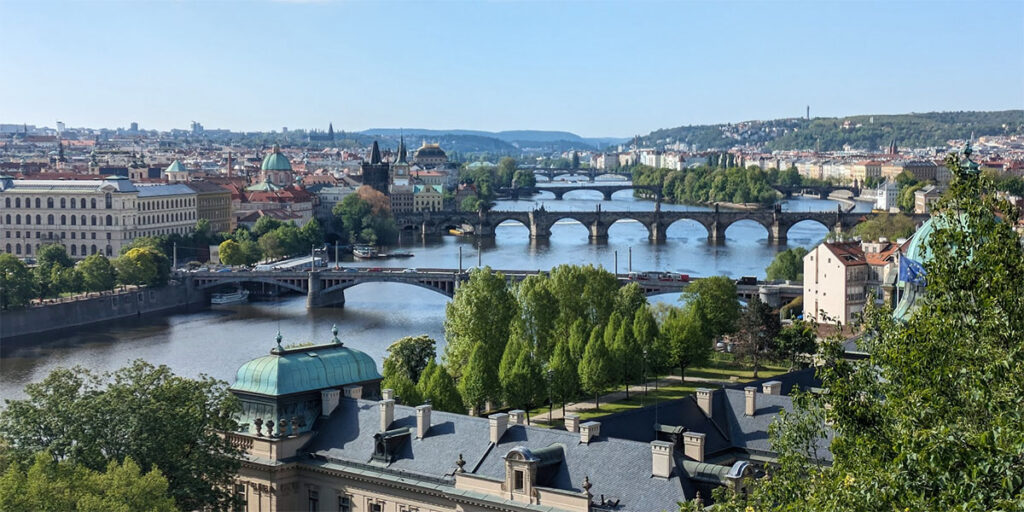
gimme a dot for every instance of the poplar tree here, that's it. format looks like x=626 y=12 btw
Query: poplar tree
x=596 y=369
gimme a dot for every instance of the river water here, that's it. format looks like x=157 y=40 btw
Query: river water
x=217 y=341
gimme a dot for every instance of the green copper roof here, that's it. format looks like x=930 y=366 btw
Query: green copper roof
x=310 y=368
x=276 y=161
x=918 y=251
x=263 y=186
x=176 y=166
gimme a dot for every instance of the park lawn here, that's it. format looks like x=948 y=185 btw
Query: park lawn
x=638 y=400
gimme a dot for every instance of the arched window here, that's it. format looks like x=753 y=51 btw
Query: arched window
x=49 y=202
x=63 y=203
x=110 y=220
x=110 y=251
x=37 y=203
x=83 y=220
x=7 y=220
x=28 y=219
x=17 y=248
x=109 y=201
x=8 y=249
x=39 y=219
x=63 y=220
x=82 y=251
x=74 y=250
x=94 y=203
x=17 y=202
x=28 y=248
x=72 y=202
x=17 y=219
x=93 y=220
x=92 y=249
x=7 y=202
x=73 y=220
x=49 y=219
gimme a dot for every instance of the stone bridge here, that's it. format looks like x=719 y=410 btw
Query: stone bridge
x=327 y=287
x=559 y=190
x=777 y=223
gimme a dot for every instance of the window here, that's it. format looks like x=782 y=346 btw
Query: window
x=17 y=202
x=109 y=201
x=344 y=504
x=93 y=220
x=92 y=250
x=49 y=202
x=17 y=219
x=110 y=250
x=517 y=480
x=72 y=202
x=242 y=504
x=82 y=250
x=39 y=219
x=110 y=220
x=49 y=219
x=74 y=250
x=94 y=203
x=63 y=203
x=37 y=203
x=7 y=218
x=83 y=220
x=17 y=248
x=28 y=219
x=376 y=507
x=63 y=220
x=7 y=202
x=72 y=220
x=28 y=248
x=314 y=501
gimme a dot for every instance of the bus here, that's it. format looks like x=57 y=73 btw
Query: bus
x=304 y=263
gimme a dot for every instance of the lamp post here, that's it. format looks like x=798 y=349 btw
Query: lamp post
x=630 y=262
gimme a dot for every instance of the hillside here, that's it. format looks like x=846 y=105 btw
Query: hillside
x=865 y=132
x=511 y=141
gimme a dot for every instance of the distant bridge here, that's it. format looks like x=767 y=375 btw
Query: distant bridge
x=559 y=190
x=327 y=287
x=539 y=221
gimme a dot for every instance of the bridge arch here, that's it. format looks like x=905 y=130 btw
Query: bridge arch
x=688 y=227
x=805 y=222
x=747 y=222
x=287 y=284
x=627 y=220
x=546 y=225
x=444 y=287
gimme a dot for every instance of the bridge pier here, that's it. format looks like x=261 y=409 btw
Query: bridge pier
x=716 y=234
x=558 y=194
x=598 y=231
x=777 y=234
x=608 y=195
x=538 y=230
x=657 y=232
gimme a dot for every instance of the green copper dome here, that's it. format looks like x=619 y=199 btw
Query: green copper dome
x=276 y=161
x=300 y=369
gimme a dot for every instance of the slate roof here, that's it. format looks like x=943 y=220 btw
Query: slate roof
x=617 y=468
x=165 y=190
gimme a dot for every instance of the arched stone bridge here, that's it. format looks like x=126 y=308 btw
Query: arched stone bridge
x=539 y=221
x=559 y=190
x=327 y=287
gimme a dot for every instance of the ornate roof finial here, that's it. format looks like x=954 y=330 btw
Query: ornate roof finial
x=460 y=462
x=970 y=167
x=587 y=485
x=334 y=331
x=278 y=349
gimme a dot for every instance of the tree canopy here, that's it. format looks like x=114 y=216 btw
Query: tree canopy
x=787 y=265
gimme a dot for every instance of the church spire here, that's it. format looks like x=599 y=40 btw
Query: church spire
x=375 y=153
x=330 y=131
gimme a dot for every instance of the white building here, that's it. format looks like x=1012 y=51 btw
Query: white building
x=887 y=196
x=835 y=281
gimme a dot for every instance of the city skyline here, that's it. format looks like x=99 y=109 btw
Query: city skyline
x=597 y=70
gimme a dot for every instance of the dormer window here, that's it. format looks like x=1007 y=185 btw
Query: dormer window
x=517 y=480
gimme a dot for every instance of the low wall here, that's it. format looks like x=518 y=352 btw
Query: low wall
x=47 y=318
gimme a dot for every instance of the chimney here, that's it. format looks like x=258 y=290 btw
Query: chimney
x=517 y=417
x=693 y=445
x=422 y=421
x=572 y=423
x=387 y=394
x=387 y=413
x=499 y=424
x=589 y=431
x=704 y=401
x=772 y=387
x=329 y=401
x=661 y=459
x=751 y=405
x=354 y=392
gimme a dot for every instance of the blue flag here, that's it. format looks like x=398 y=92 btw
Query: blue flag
x=912 y=271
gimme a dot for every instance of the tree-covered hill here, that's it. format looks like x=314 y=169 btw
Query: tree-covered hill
x=865 y=132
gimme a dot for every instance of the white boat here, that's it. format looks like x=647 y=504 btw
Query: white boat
x=239 y=296
x=365 y=252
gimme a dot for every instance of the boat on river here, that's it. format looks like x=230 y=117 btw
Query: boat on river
x=239 y=296
x=365 y=252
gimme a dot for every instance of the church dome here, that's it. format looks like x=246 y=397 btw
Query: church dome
x=276 y=161
x=430 y=151
x=175 y=166
x=309 y=368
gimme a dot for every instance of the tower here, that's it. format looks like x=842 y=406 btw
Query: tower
x=808 y=112
x=330 y=131
x=400 y=167
x=375 y=172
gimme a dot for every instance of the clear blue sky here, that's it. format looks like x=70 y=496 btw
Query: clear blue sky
x=594 y=68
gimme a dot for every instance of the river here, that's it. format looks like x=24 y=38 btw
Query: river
x=217 y=341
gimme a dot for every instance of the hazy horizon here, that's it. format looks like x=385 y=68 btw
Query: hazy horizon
x=598 y=69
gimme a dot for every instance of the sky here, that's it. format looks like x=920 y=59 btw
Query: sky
x=595 y=68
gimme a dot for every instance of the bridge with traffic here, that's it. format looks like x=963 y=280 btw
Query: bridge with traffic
x=539 y=221
x=326 y=287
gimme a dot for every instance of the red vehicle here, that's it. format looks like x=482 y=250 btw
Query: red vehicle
x=374 y=269
x=684 y=278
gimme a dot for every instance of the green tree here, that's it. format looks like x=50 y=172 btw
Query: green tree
x=272 y=246
x=520 y=373
x=140 y=411
x=49 y=258
x=66 y=280
x=17 y=285
x=585 y=292
x=477 y=386
x=480 y=313
x=759 y=326
x=231 y=253
x=410 y=356
x=931 y=420
x=788 y=265
x=538 y=311
x=142 y=266
x=565 y=378
x=49 y=485
x=524 y=178
x=795 y=340
x=577 y=341
x=506 y=171
x=312 y=234
x=627 y=354
x=264 y=225
x=405 y=389
x=596 y=372
x=714 y=301
x=442 y=392
x=688 y=340
x=886 y=225
x=98 y=273
x=629 y=299
x=654 y=351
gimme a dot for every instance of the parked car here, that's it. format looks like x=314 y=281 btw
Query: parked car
x=747 y=280
x=410 y=271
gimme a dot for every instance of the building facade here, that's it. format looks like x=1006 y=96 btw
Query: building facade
x=836 y=277
x=430 y=155
x=428 y=198
x=213 y=203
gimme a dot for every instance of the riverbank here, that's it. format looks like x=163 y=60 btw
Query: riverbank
x=20 y=326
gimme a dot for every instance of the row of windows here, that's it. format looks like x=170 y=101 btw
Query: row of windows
x=165 y=204
x=51 y=220
x=50 y=203
x=167 y=217
x=74 y=250
x=51 y=235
